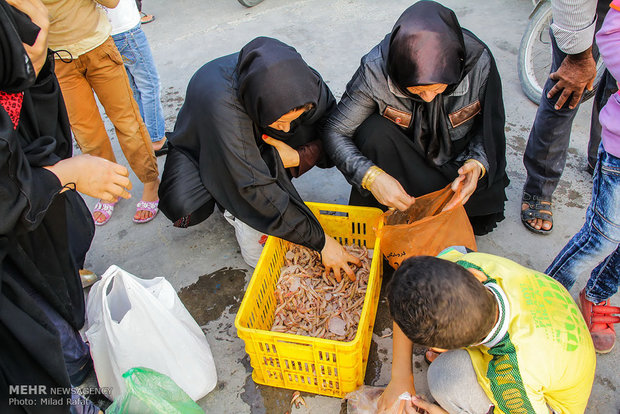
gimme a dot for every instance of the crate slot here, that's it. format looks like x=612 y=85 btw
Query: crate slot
x=334 y=213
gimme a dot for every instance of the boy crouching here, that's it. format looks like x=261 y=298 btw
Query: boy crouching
x=514 y=337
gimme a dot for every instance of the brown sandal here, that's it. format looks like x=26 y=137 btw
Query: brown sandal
x=537 y=208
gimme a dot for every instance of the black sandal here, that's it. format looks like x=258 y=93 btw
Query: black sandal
x=534 y=211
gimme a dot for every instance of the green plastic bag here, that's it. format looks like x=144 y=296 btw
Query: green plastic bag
x=148 y=391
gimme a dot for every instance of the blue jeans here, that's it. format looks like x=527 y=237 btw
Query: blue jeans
x=596 y=244
x=143 y=78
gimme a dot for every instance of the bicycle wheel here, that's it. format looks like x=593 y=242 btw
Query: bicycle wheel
x=249 y=3
x=535 y=51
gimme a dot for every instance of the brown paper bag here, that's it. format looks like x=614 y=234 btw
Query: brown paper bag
x=424 y=229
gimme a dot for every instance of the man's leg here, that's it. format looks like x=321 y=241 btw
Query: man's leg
x=545 y=153
x=454 y=385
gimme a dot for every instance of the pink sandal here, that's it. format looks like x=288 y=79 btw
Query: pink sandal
x=150 y=206
x=105 y=209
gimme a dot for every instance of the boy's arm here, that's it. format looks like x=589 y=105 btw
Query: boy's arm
x=402 y=373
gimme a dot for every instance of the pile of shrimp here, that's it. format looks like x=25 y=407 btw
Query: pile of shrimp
x=311 y=302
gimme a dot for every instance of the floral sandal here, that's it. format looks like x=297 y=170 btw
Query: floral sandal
x=537 y=208
x=150 y=206
x=105 y=209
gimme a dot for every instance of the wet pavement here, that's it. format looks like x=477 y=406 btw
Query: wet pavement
x=204 y=263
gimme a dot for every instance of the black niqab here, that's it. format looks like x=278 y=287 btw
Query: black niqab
x=426 y=47
x=273 y=80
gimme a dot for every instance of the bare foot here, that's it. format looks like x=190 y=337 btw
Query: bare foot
x=148 y=194
x=539 y=223
x=146 y=18
x=159 y=144
x=99 y=218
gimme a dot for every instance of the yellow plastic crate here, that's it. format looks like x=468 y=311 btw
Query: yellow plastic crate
x=303 y=363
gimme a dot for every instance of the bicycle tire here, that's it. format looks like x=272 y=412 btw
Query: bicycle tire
x=531 y=79
x=249 y=3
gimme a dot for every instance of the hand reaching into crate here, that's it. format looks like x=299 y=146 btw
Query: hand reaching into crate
x=336 y=258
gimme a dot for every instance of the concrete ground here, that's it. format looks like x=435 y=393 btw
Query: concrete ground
x=203 y=262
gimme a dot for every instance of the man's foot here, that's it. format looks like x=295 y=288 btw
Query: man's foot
x=536 y=214
x=148 y=194
x=600 y=320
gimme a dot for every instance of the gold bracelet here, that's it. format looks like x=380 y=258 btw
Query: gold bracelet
x=370 y=176
x=484 y=170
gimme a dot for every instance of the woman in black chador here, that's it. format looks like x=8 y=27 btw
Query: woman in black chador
x=45 y=226
x=250 y=122
x=424 y=109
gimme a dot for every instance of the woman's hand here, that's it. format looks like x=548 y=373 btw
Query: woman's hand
x=391 y=393
x=388 y=191
x=465 y=184
x=335 y=257
x=40 y=16
x=94 y=176
x=289 y=156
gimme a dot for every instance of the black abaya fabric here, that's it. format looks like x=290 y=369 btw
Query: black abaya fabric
x=35 y=249
x=14 y=78
x=229 y=104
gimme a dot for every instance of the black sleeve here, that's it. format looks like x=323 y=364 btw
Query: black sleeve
x=493 y=122
x=252 y=184
x=354 y=107
x=26 y=192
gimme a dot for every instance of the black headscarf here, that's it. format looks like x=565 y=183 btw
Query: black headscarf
x=425 y=47
x=43 y=234
x=273 y=80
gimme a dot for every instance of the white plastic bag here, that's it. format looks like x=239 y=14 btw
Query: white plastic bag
x=135 y=322
x=250 y=241
x=365 y=400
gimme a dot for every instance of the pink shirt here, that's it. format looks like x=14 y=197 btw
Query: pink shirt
x=608 y=41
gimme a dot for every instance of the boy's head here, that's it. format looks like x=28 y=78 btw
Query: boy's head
x=440 y=304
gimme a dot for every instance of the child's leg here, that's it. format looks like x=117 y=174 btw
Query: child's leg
x=138 y=59
x=604 y=280
x=454 y=385
x=600 y=235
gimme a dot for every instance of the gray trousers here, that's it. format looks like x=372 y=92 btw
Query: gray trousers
x=545 y=154
x=454 y=385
